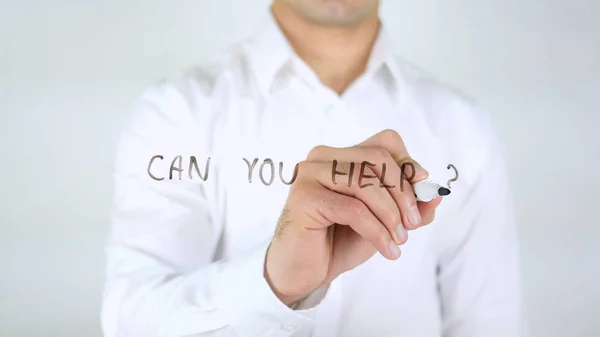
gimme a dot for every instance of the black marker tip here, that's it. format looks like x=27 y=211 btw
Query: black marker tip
x=443 y=191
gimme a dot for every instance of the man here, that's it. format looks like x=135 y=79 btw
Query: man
x=215 y=234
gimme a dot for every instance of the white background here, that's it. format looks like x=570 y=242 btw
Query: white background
x=69 y=70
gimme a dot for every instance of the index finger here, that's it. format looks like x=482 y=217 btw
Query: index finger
x=393 y=143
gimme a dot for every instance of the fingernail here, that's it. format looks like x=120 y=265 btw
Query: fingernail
x=401 y=233
x=414 y=217
x=394 y=250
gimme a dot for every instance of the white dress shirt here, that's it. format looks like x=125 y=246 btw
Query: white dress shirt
x=185 y=256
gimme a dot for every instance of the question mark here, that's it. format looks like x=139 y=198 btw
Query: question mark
x=455 y=171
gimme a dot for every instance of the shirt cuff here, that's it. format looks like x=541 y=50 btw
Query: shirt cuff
x=312 y=300
x=251 y=305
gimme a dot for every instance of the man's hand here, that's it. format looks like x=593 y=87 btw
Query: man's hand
x=328 y=228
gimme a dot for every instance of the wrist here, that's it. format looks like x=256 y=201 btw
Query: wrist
x=285 y=281
x=286 y=297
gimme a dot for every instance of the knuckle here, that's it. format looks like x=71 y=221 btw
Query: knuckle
x=304 y=163
x=406 y=194
x=379 y=155
x=343 y=166
x=316 y=198
x=345 y=172
x=309 y=170
x=379 y=152
x=408 y=167
x=391 y=135
x=370 y=172
x=357 y=208
x=304 y=167
x=407 y=161
x=329 y=200
x=411 y=201
x=408 y=209
x=395 y=218
x=317 y=151
x=382 y=237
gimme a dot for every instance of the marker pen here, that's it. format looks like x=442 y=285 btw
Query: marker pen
x=426 y=190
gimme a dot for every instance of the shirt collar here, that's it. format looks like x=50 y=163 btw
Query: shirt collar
x=270 y=52
x=382 y=58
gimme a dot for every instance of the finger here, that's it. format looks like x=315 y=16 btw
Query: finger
x=345 y=210
x=411 y=169
x=343 y=178
x=427 y=210
x=392 y=176
x=393 y=142
x=386 y=171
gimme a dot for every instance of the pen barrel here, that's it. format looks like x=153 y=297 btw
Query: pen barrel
x=426 y=190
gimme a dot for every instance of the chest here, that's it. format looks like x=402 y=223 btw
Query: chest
x=263 y=143
x=262 y=146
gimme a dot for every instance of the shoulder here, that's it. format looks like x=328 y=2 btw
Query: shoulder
x=197 y=85
x=447 y=109
x=192 y=103
x=461 y=126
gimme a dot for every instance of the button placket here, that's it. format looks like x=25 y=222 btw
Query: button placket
x=279 y=83
x=336 y=118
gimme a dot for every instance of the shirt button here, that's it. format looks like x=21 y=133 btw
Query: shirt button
x=290 y=328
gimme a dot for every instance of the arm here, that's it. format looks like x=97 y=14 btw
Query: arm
x=162 y=279
x=479 y=272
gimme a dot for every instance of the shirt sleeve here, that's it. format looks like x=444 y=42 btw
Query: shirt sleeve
x=479 y=278
x=162 y=277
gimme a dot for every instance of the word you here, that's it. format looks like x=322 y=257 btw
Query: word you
x=266 y=171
